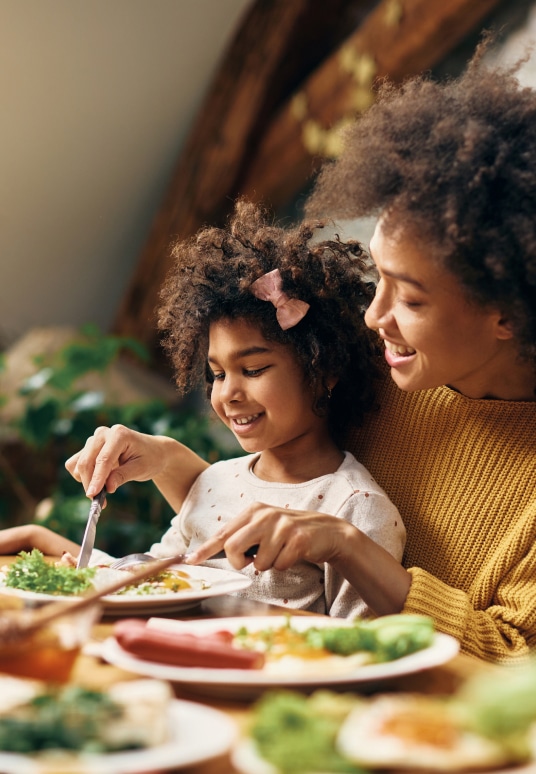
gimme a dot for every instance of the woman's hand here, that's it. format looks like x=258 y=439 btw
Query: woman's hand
x=117 y=454
x=287 y=536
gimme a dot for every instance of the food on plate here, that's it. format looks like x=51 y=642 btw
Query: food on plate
x=297 y=734
x=130 y=715
x=278 y=649
x=213 y=650
x=488 y=723
x=362 y=642
x=32 y=572
x=417 y=732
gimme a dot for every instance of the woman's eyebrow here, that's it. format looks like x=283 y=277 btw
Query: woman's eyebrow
x=405 y=278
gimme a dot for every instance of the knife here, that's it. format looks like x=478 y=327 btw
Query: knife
x=91 y=529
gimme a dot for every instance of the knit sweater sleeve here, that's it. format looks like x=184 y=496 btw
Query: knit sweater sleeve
x=499 y=621
x=503 y=631
x=461 y=472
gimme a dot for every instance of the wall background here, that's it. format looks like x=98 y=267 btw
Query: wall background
x=97 y=98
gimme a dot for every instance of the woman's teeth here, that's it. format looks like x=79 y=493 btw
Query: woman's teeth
x=246 y=420
x=398 y=349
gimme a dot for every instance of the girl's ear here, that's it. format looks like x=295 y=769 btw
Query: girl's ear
x=503 y=328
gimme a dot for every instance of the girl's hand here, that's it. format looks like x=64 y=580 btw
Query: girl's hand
x=284 y=537
x=117 y=454
x=114 y=455
x=287 y=536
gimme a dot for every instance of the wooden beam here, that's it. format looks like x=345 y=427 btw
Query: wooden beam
x=399 y=38
x=277 y=41
x=252 y=138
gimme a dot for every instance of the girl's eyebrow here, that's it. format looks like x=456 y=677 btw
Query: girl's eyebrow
x=245 y=353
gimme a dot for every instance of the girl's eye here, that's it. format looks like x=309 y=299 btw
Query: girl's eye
x=254 y=371
x=412 y=304
x=218 y=377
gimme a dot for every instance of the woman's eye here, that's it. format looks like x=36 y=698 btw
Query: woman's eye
x=218 y=377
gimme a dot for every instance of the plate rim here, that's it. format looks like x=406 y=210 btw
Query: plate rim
x=246 y=759
x=444 y=648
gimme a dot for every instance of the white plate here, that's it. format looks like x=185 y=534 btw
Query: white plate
x=246 y=760
x=248 y=682
x=198 y=734
x=221 y=582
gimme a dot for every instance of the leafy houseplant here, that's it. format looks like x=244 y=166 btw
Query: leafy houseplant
x=58 y=416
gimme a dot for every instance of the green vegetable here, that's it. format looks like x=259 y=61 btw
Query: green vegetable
x=31 y=572
x=388 y=638
x=297 y=734
x=71 y=718
x=501 y=706
x=394 y=636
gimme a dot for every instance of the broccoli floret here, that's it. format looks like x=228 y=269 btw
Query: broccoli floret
x=388 y=638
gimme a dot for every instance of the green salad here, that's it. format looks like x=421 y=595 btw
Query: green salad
x=32 y=572
x=297 y=733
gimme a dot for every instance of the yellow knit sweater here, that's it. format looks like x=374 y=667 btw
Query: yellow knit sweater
x=463 y=475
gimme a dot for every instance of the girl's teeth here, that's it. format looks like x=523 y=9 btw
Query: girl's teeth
x=246 y=420
x=397 y=349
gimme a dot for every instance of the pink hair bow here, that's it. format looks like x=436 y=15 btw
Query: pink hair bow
x=289 y=311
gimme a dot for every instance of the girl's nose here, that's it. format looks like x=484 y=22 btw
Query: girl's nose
x=231 y=390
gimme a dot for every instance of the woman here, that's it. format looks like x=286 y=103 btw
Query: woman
x=451 y=172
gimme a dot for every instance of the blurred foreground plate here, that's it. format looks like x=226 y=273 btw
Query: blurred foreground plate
x=246 y=760
x=197 y=734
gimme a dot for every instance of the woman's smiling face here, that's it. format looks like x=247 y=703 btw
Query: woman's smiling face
x=433 y=334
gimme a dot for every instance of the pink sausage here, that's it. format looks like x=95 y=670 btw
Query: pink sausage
x=183 y=649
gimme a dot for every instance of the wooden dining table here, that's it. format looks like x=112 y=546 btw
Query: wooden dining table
x=92 y=671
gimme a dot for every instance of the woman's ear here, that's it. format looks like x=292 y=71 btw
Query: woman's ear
x=331 y=381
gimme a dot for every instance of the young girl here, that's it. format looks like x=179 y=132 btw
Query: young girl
x=273 y=321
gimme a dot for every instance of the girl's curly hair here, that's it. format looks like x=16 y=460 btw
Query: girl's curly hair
x=211 y=280
x=454 y=163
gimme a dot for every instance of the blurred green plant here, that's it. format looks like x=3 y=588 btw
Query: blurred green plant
x=57 y=418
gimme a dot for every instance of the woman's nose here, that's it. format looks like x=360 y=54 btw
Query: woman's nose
x=378 y=311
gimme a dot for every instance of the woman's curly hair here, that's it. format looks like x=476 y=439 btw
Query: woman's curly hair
x=455 y=164
x=211 y=280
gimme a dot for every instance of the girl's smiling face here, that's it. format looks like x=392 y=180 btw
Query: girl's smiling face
x=259 y=390
x=433 y=334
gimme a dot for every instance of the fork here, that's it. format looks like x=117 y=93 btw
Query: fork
x=130 y=560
